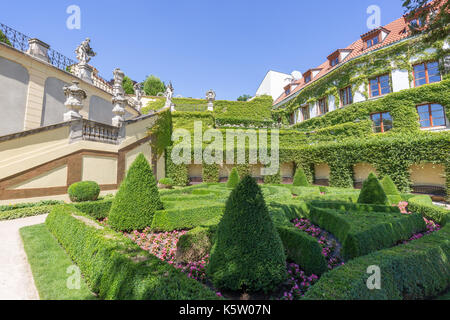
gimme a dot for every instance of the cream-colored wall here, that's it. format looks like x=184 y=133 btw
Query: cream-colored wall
x=54 y=178
x=39 y=71
x=287 y=170
x=322 y=171
x=195 y=171
x=255 y=170
x=361 y=171
x=102 y=170
x=225 y=170
x=428 y=174
x=145 y=148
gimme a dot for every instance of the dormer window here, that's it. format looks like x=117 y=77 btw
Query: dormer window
x=334 y=62
x=373 y=41
x=338 y=56
x=311 y=74
x=287 y=91
x=308 y=79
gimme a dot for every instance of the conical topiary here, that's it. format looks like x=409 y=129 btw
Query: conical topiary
x=372 y=192
x=137 y=199
x=391 y=190
x=248 y=253
x=300 y=179
x=233 y=179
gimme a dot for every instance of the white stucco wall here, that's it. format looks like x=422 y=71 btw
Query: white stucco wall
x=400 y=80
x=273 y=84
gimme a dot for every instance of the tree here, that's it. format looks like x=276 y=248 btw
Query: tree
x=233 y=179
x=433 y=18
x=153 y=85
x=391 y=190
x=128 y=85
x=372 y=192
x=137 y=199
x=4 y=39
x=248 y=253
x=244 y=98
x=300 y=179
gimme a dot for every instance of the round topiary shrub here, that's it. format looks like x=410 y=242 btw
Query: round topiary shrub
x=234 y=179
x=84 y=191
x=372 y=192
x=166 y=183
x=300 y=179
x=137 y=199
x=247 y=253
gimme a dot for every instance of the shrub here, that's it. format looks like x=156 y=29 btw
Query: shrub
x=248 y=253
x=372 y=192
x=429 y=211
x=25 y=212
x=417 y=270
x=300 y=179
x=185 y=219
x=194 y=245
x=137 y=199
x=84 y=191
x=303 y=249
x=96 y=209
x=166 y=182
x=234 y=178
x=153 y=85
x=114 y=267
x=391 y=190
x=273 y=179
x=29 y=205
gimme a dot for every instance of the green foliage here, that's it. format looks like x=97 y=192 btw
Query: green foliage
x=415 y=271
x=273 y=179
x=114 y=267
x=300 y=179
x=244 y=98
x=210 y=173
x=361 y=233
x=96 y=209
x=372 y=192
x=248 y=253
x=153 y=85
x=304 y=250
x=391 y=190
x=156 y=105
x=161 y=133
x=185 y=219
x=137 y=199
x=233 y=179
x=166 y=182
x=430 y=211
x=25 y=212
x=84 y=191
x=4 y=39
x=29 y=205
x=128 y=85
x=194 y=245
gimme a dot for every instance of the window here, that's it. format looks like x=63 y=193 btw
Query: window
x=308 y=79
x=292 y=118
x=346 y=96
x=372 y=42
x=425 y=73
x=334 y=61
x=382 y=121
x=379 y=86
x=287 y=91
x=431 y=115
x=305 y=113
x=323 y=106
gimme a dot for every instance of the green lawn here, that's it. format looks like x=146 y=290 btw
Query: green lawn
x=49 y=263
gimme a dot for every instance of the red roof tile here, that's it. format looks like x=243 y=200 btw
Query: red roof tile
x=398 y=30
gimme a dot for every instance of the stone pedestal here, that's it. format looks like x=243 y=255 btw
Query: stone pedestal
x=211 y=97
x=38 y=49
x=74 y=101
x=84 y=72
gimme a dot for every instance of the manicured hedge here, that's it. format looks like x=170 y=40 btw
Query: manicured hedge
x=179 y=219
x=415 y=271
x=234 y=178
x=194 y=245
x=96 y=209
x=429 y=211
x=372 y=192
x=303 y=249
x=356 y=207
x=300 y=179
x=29 y=205
x=25 y=212
x=84 y=191
x=114 y=267
x=362 y=233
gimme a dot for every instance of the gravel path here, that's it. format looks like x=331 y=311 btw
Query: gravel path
x=16 y=279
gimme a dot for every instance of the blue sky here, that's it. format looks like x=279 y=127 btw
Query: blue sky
x=198 y=45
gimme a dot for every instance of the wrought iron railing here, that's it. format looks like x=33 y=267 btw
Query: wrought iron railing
x=99 y=132
x=14 y=38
